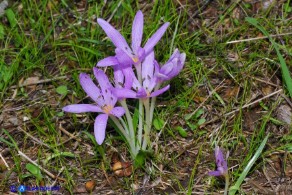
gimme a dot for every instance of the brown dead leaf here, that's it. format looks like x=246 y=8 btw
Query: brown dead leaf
x=230 y=93
x=122 y=169
x=199 y=99
x=267 y=90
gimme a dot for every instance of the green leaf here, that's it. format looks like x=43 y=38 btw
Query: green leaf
x=158 y=123
x=181 y=131
x=201 y=121
x=34 y=170
x=60 y=114
x=62 y=90
x=141 y=158
x=199 y=113
x=196 y=115
x=233 y=189
x=11 y=17
x=192 y=126
x=66 y=154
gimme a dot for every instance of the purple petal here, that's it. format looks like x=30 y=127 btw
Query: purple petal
x=141 y=54
x=182 y=58
x=116 y=37
x=124 y=59
x=80 y=108
x=214 y=173
x=124 y=93
x=90 y=88
x=148 y=69
x=175 y=54
x=118 y=76
x=162 y=77
x=129 y=77
x=142 y=93
x=105 y=87
x=137 y=31
x=168 y=67
x=99 y=127
x=159 y=91
x=109 y=61
x=152 y=41
x=219 y=156
x=118 y=111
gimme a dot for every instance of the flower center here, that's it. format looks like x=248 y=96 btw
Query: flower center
x=148 y=94
x=135 y=59
x=107 y=109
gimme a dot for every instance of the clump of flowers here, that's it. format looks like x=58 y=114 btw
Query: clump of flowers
x=137 y=75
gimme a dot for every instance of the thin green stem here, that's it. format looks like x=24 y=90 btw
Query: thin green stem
x=131 y=127
x=131 y=142
x=147 y=127
x=226 y=184
x=153 y=102
x=141 y=121
x=129 y=119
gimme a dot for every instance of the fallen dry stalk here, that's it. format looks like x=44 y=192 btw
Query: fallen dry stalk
x=254 y=102
x=4 y=161
x=257 y=38
x=39 y=82
x=41 y=168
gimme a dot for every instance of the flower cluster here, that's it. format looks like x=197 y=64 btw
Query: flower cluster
x=137 y=75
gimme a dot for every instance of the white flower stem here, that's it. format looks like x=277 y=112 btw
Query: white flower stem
x=153 y=102
x=147 y=127
x=130 y=122
x=140 y=125
x=131 y=142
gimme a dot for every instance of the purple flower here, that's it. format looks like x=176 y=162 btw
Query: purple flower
x=222 y=168
x=149 y=81
x=104 y=102
x=172 y=67
x=126 y=56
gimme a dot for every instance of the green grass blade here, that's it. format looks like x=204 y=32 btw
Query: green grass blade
x=12 y=143
x=66 y=154
x=285 y=70
x=233 y=189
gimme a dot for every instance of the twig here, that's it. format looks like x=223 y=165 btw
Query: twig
x=39 y=82
x=4 y=161
x=257 y=38
x=61 y=170
x=71 y=136
x=41 y=168
x=263 y=81
x=247 y=105
x=68 y=133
